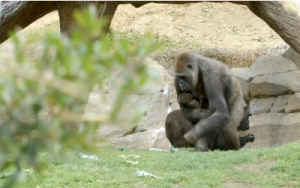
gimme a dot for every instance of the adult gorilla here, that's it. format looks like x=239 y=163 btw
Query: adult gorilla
x=213 y=81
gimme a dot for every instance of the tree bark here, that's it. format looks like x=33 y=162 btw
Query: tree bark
x=283 y=17
x=22 y=14
x=138 y=4
x=66 y=8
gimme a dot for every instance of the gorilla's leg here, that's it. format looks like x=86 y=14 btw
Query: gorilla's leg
x=176 y=127
x=202 y=144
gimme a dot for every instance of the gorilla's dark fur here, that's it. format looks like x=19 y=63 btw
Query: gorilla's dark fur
x=177 y=126
x=201 y=77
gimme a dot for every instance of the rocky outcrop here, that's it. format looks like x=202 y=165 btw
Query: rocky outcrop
x=275 y=84
x=271 y=65
x=274 y=90
x=243 y=75
x=154 y=102
x=293 y=103
x=259 y=106
x=292 y=55
x=274 y=129
x=280 y=103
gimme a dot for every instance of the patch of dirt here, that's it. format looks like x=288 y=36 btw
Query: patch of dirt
x=293 y=183
x=243 y=167
x=225 y=31
x=231 y=183
x=6 y=48
x=253 y=167
x=141 y=185
x=210 y=24
x=46 y=21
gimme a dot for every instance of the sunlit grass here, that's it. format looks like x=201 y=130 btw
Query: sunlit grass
x=273 y=167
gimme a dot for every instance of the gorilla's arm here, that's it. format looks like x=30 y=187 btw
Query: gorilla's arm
x=245 y=124
x=193 y=115
x=215 y=87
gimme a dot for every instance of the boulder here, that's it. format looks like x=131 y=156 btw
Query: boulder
x=277 y=50
x=154 y=138
x=275 y=84
x=243 y=75
x=274 y=129
x=271 y=65
x=280 y=103
x=292 y=55
x=152 y=103
x=259 y=106
x=293 y=104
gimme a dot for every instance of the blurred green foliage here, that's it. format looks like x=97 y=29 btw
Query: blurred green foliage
x=42 y=100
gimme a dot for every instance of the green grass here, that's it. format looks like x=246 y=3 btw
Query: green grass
x=273 y=167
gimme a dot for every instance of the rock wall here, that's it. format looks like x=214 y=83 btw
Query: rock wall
x=273 y=85
x=150 y=131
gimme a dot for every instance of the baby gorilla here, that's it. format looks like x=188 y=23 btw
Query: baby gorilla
x=189 y=101
x=177 y=126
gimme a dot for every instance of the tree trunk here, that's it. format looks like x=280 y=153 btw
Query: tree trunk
x=22 y=14
x=66 y=8
x=283 y=17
